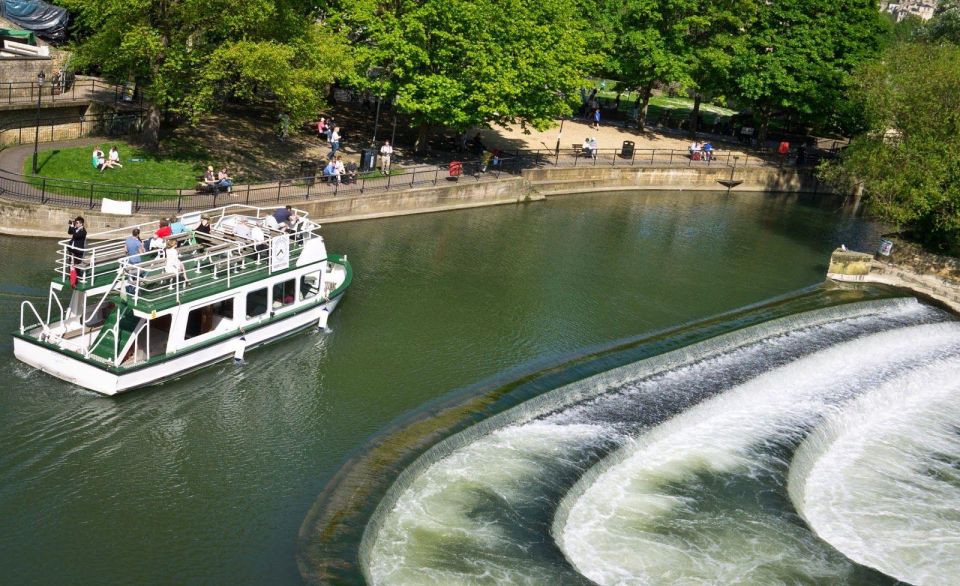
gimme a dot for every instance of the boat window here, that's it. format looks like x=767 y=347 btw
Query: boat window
x=203 y=320
x=283 y=293
x=309 y=285
x=256 y=303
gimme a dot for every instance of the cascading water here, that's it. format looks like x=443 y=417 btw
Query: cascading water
x=700 y=497
x=880 y=480
x=478 y=507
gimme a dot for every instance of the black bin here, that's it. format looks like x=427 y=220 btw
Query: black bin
x=368 y=159
x=626 y=151
x=308 y=171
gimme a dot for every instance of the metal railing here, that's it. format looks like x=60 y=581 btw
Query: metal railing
x=81 y=194
x=72 y=90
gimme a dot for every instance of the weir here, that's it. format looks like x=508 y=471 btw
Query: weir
x=879 y=480
x=597 y=416
x=697 y=497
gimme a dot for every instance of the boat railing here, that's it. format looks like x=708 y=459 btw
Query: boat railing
x=214 y=265
x=39 y=322
x=106 y=250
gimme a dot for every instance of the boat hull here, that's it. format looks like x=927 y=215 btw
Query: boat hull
x=108 y=381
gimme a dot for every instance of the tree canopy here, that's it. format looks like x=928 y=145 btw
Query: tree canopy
x=463 y=63
x=189 y=55
x=908 y=162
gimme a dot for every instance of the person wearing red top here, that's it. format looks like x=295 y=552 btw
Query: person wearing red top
x=164 y=230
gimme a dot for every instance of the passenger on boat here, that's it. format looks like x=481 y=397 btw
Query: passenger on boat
x=78 y=238
x=204 y=227
x=270 y=222
x=173 y=266
x=164 y=230
x=156 y=243
x=134 y=246
x=282 y=215
x=177 y=227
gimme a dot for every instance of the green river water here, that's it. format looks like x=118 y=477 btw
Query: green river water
x=209 y=478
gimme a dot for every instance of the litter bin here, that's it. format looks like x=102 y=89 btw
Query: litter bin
x=886 y=247
x=308 y=172
x=626 y=151
x=368 y=159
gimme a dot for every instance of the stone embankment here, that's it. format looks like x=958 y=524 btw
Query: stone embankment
x=30 y=219
x=909 y=267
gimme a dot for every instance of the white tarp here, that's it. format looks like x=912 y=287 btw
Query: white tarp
x=280 y=252
x=119 y=208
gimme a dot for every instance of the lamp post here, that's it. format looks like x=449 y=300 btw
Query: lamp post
x=393 y=137
x=376 y=123
x=36 y=137
x=559 y=134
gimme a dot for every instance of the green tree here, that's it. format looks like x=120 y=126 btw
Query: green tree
x=799 y=54
x=188 y=55
x=908 y=162
x=460 y=63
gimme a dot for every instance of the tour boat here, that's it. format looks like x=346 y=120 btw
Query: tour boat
x=115 y=322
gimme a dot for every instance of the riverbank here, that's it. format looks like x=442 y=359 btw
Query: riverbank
x=908 y=266
x=27 y=219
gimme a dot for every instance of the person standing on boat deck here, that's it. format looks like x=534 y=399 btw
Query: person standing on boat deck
x=134 y=246
x=172 y=265
x=78 y=238
x=282 y=215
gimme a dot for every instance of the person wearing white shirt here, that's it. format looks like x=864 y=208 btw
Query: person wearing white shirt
x=386 y=151
x=258 y=237
x=172 y=265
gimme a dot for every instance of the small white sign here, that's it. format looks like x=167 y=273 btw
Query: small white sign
x=280 y=252
x=119 y=208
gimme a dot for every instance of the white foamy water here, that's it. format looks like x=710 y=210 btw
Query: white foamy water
x=460 y=522
x=880 y=480
x=699 y=498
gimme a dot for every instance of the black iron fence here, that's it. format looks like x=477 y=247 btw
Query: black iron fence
x=69 y=90
x=111 y=124
x=489 y=167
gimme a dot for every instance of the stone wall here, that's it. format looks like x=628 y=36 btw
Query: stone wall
x=929 y=275
x=563 y=180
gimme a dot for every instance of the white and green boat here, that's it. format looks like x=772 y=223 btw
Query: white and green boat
x=114 y=325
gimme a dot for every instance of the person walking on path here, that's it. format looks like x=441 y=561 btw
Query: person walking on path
x=386 y=151
x=596 y=119
x=334 y=142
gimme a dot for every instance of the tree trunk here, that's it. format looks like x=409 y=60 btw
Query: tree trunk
x=423 y=134
x=646 y=91
x=151 y=129
x=695 y=116
x=764 y=126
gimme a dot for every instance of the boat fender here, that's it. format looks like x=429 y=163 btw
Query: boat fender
x=322 y=322
x=239 y=350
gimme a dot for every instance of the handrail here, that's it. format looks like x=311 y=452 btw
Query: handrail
x=23 y=329
x=18 y=92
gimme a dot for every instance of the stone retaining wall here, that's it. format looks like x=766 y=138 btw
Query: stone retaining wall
x=563 y=180
x=930 y=275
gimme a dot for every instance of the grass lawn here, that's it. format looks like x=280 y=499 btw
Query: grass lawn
x=661 y=107
x=176 y=169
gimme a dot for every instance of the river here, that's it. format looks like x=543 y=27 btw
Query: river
x=209 y=478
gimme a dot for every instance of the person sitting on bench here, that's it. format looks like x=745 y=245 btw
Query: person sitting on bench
x=210 y=180
x=585 y=149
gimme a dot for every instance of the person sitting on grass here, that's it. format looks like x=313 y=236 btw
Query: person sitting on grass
x=98 y=158
x=113 y=159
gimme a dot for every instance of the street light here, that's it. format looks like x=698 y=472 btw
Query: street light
x=393 y=106
x=36 y=137
x=559 y=134
x=376 y=123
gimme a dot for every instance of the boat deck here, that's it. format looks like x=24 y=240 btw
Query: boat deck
x=232 y=254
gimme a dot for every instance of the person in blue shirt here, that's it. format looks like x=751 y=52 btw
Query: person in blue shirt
x=177 y=227
x=134 y=246
x=707 y=149
x=282 y=215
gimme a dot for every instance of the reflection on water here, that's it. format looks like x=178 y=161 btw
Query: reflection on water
x=208 y=478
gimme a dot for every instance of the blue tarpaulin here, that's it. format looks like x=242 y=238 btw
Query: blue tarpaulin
x=48 y=21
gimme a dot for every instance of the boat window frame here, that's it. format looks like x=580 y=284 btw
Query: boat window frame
x=191 y=340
